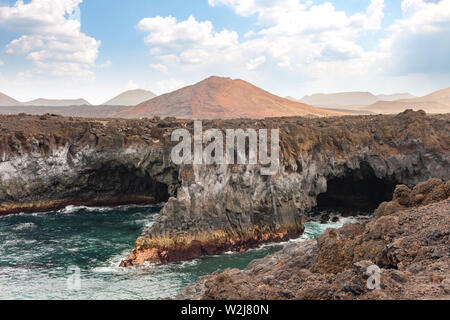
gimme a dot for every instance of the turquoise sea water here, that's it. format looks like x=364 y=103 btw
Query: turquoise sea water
x=39 y=253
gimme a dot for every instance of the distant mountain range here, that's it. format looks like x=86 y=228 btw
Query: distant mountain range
x=366 y=102
x=350 y=98
x=340 y=99
x=57 y=103
x=130 y=98
x=436 y=102
x=218 y=97
x=6 y=101
x=395 y=96
x=127 y=98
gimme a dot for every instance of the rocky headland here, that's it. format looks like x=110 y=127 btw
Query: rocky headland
x=407 y=244
x=354 y=163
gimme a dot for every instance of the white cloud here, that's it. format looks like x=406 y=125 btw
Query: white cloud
x=168 y=85
x=292 y=34
x=410 y=7
x=375 y=14
x=250 y=34
x=419 y=42
x=160 y=68
x=159 y=87
x=51 y=37
x=131 y=85
x=187 y=42
x=1 y=63
x=24 y=44
x=255 y=63
x=296 y=16
x=296 y=45
x=189 y=33
x=304 y=42
x=422 y=16
x=106 y=64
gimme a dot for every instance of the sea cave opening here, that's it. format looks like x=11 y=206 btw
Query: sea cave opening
x=357 y=191
x=117 y=180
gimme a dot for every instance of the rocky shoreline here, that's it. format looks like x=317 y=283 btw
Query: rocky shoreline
x=178 y=249
x=50 y=161
x=55 y=205
x=407 y=242
x=356 y=161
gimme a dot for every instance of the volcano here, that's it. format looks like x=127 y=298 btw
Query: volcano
x=217 y=97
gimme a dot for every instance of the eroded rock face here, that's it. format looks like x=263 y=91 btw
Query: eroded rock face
x=411 y=248
x=49 y=162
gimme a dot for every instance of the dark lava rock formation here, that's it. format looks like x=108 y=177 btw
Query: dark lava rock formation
x=48 y=162
x=407 y=244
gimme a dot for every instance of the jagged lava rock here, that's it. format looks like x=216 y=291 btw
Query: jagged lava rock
x=411 y=248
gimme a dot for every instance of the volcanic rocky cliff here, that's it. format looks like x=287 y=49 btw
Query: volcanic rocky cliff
x=402 y=253
x=49 y=162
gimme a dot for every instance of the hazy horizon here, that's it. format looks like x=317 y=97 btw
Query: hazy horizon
x=81 y=97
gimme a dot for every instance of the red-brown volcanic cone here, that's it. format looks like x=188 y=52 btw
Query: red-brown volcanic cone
x=217 y=97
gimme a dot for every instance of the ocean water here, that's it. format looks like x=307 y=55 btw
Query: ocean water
x=75 y=253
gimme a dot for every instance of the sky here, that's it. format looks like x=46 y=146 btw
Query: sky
x=95 y=49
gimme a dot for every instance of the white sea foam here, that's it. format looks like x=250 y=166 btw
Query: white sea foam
x=25 y=226
x=17 y=242
x=189 y=263
x=145 y=223
x=72 y=209
x=108 y=270
x=12 y=215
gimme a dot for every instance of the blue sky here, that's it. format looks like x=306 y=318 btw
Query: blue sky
x=97 y=48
